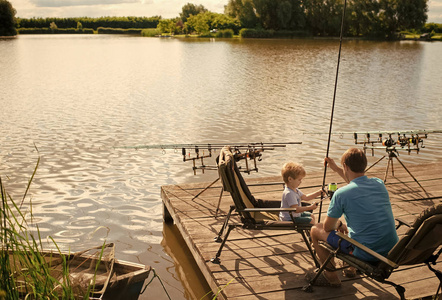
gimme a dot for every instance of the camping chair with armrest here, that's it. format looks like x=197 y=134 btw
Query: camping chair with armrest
x=255 y=214
x=417 y=246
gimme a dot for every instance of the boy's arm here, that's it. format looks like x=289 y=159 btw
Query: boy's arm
x=311 y=196
x=300 y=209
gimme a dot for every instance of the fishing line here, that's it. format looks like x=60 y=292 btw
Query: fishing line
x=333 y=105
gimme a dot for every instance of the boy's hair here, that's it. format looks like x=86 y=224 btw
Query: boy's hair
x=355 y=159
x=293 y=170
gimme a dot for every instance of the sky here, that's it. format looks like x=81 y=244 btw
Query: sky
x=145 y=8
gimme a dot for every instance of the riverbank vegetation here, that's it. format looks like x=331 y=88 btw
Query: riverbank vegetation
x=25 y=271
x=382 y=19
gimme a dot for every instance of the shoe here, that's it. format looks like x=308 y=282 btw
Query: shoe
x=349 y=272
x=321 y=280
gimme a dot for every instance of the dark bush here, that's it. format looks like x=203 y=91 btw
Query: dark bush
x=104 y=30
x=225 y=33
x=256 y=33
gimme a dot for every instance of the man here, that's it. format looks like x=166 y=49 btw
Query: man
x=365 y=204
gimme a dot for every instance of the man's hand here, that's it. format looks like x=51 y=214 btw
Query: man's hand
x=331 y=163
x=343 y=228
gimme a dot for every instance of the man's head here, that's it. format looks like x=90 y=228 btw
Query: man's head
x=355 y=160
x=292 y=170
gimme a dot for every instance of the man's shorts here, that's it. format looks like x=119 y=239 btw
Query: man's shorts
x=306 y=217
x=333 y=240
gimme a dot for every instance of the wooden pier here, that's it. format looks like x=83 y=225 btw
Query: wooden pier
x=272 y=265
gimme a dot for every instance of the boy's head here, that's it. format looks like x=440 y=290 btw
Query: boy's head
x=355 y=160
x=293 y=170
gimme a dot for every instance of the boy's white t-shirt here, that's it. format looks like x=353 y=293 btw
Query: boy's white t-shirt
x=290 y=197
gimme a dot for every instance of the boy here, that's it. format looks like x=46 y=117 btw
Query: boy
x=292 y=174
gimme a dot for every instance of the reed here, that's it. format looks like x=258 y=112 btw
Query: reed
x=24 y=270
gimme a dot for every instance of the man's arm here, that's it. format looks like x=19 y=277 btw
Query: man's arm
x=331 y=163
x=334 y=224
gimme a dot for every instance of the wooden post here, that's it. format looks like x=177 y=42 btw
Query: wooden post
x=167 y=217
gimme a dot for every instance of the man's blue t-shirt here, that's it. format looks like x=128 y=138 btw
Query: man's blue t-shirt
x=365 y=204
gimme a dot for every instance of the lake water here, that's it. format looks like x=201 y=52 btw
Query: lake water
x=77 y=99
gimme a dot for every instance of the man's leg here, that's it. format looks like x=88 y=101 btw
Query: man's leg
x=317 y=234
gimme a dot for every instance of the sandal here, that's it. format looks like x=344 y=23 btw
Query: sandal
x=321 y=280
x=349 y=272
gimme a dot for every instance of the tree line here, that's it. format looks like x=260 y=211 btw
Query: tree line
x=93 y=23
x=323 y=17
x=366 y=18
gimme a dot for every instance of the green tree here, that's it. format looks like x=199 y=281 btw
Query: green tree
x=243 y=11
x=324 y=16
x=53 y=27
x=362 y=17
x=190 y=9
x=198 y=24
x=7 y=19
x=412 y=14
x=166 y=26
x=79 y=26
x=284 y=14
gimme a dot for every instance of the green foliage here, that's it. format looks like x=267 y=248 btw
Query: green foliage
x=94 y=23
x=167 y=26
x=198 y=24
x=430 y=27
x=204 y=22
x=7 y=19
x=191 y=10
x=150 y=32
x=256 y=33
x=226 y=33
x=378 y=18
x=55 y=31
x=103 y=30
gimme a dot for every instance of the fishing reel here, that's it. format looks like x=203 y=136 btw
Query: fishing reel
x=407 y=141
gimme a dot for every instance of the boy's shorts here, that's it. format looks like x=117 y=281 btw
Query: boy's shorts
x=306 y=217
x=333 y=240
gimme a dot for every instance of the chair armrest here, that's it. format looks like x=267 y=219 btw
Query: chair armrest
x=401 y=222
x=366 y=249
x=269 y=209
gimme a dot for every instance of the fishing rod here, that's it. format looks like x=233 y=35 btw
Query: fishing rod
x=333 y=105
x=342 y=133
x=198 y=152
x=210 y=146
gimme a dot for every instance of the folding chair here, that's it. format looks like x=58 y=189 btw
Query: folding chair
x=417 y=246
x=255 y=214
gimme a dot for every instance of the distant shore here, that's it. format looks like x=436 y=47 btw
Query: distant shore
x=139 y=31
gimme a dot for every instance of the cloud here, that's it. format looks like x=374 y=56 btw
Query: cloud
x=435 y=11
x=64 y=3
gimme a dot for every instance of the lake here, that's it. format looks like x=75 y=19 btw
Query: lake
x=76 y=101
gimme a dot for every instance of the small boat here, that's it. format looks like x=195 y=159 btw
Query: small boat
x=95 y=270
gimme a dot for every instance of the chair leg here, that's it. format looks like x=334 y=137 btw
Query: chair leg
x=309 y=288
x=218 y=238
x=216 y=259
x=436 y=272
x=399 y=289
x=309 y=246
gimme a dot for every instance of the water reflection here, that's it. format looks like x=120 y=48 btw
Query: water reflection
x=74 y=100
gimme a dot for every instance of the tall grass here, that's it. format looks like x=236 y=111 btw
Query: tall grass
x=150 y=32
x=24 y=270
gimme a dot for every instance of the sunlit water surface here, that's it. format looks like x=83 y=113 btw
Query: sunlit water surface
x=78 y=98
